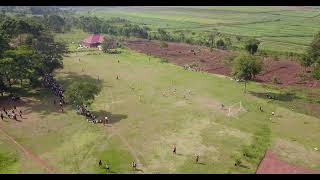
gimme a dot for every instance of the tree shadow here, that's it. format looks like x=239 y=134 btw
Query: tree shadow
x=290 y=101
x=201 y=163
x=40 y=100
x=68 y=78
x=113 y=118
x=284 y=97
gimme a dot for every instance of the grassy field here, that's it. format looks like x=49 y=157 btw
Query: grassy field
x=279 y=28
x=153 y=106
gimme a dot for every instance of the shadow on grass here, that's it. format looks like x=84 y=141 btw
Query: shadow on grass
x=41 y=100
x=70 y=77
x=291 y=102
x=201 y=163
x=244 y=166
x=139 y=170
x=113 y=118
x=284 y=97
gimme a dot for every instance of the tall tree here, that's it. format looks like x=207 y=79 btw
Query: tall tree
x=252 y=45
x=50 y=53
x=56 y=23
x=82 y=93
x=246 y=67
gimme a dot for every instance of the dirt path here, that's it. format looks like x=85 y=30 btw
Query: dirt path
x=29 y=154
x=272 y=165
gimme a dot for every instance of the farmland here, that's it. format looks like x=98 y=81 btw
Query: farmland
x=285 y=29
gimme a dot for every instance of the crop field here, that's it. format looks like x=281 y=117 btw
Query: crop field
x=288 y=29
x=153 y=106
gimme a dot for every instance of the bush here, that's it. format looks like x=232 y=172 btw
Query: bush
x=220 y=44
x=229 y=59
x=275 y=80
x=316 y=74
x=163 y=44
x=164 y=61
x=252 y=45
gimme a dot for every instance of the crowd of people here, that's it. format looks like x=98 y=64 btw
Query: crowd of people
x=11 y=113
x=56 y=89
x=83 y=110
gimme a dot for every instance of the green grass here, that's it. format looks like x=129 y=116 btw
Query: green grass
x=151 y=117
x=9 y=158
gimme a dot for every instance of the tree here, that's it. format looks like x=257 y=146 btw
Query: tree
x=56 y=23
x=49 y=51
x=4 y=45
x=252 y=45
x=221 y=44
x=306 y=61
x=82 y=93
x=211 y=40
x=314 y=49
x=108 y=44
x=22 y=65
x=246 y=67
x=164 y=35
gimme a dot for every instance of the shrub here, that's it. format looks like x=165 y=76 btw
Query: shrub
x=164 y=61
x=163 y=44
x=252 y=45
x=316 y=74
x=275 y=80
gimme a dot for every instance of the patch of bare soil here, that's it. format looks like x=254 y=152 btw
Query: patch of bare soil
x=272 y=165
x=287 y=72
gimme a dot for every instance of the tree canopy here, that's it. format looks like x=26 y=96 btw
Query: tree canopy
x=82 y=93
x=246 y=67
x=32 y=56
x=252 y=45
x=312 y=57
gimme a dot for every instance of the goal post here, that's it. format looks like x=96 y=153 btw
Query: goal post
x=235 y=108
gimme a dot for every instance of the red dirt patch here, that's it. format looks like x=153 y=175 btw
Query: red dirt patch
x=272 y=165
x=286 y=71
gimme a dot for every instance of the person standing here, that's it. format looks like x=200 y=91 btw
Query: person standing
x=197 y=158
x=107 y=167
x=1 y=115
x=105 y=120
x=174 y=149
x=134 y=166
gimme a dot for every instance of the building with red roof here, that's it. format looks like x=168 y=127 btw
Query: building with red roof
x=92 y=41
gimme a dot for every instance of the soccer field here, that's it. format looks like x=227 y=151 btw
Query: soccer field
x=153 y=106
